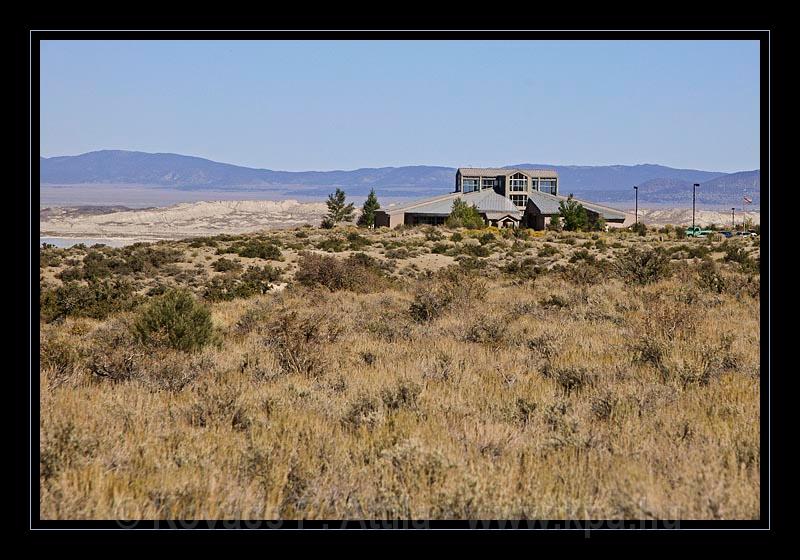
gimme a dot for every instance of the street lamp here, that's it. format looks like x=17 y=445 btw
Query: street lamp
x=636 y=190
x=694 y=189
x=733 y=218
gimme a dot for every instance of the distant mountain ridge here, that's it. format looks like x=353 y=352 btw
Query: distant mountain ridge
x=601 y=183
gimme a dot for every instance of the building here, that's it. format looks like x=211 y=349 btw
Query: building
x=495 y=209
x=504 y=197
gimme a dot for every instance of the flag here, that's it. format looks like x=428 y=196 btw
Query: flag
x=748 y=200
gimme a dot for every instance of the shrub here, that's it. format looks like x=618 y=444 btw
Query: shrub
x=403 y=395
x=297 y=341
x=399 y=253
x=443 y=291
x=226 y=265
x=548 y=251
x=709 y=277
x=639 y=228
x=526 y=268
x=582 y=255
x=256 y=248
x=554 y=224
x=357 y=241
x=256 y=280
x=487 y=237
x=70 y=274
x=643 y=266
x=332 y=245
x=491 y=331
x=97 y=300
x=357 y=273
x=456 y=237
x=734 y=252
x=175 y=320
x=433 y=234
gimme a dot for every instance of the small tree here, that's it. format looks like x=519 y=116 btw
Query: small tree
x=367 y=217
x=554 y=224
x=596 y=222
x=175 y=319
x=338 y=210
x=574 y=214
x=464 y=215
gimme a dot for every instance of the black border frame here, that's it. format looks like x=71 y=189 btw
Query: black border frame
x=29 y=69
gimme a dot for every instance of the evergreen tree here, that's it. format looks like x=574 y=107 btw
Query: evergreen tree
x=573 y=214
x=464 y=215
x=338 y=211
x=367 y=217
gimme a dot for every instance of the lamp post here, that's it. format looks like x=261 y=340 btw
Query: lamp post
x=694 y=189
x=636 y=190
x=733 y=218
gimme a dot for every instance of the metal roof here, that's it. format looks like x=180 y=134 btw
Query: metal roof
x=496 y=171
x=487 y=201
x=549 y=204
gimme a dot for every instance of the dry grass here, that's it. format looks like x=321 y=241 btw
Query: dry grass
x=617 y=400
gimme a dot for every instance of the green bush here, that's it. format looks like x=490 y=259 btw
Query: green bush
x=357 y=242
x=175 y=320
x=97 y=299
x=573 y=214
x=255 y=248
x=226 y=265
x=548 y=251
x=256 y=280
x=357 y=273
x=464 y=215
x=643 y=266
x=332 y=245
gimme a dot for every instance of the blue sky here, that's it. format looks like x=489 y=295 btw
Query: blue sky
x=302 y=105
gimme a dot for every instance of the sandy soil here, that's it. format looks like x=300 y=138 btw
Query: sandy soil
x=683 y=216
x=182 y=220
x=243 y=216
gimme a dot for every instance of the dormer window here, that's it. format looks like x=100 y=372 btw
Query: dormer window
x=518 y=182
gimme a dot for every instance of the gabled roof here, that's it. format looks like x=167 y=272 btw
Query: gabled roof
x=495 y=171
x=487 y=201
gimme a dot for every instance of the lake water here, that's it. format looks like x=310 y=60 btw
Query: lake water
x=65 y=242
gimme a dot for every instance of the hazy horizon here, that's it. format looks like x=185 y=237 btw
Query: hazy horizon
x=340 y=105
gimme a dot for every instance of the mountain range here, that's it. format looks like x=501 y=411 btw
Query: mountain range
x=658 y=184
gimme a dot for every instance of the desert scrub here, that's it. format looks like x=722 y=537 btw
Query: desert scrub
x=548 y=250
x=333 y=245
x=97 y=299
x=259 y=249
x=446 y=290
x=298 y=341
x=226 y=265
x=357 y=242
x=175 y=320
x=356 y=273
x=254 y=281
x=643 y=266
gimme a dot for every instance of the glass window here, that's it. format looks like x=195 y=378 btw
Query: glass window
x=488 y=183
x=548 y=186
x=470 y=184
x=519 y=182
x=519 y=199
